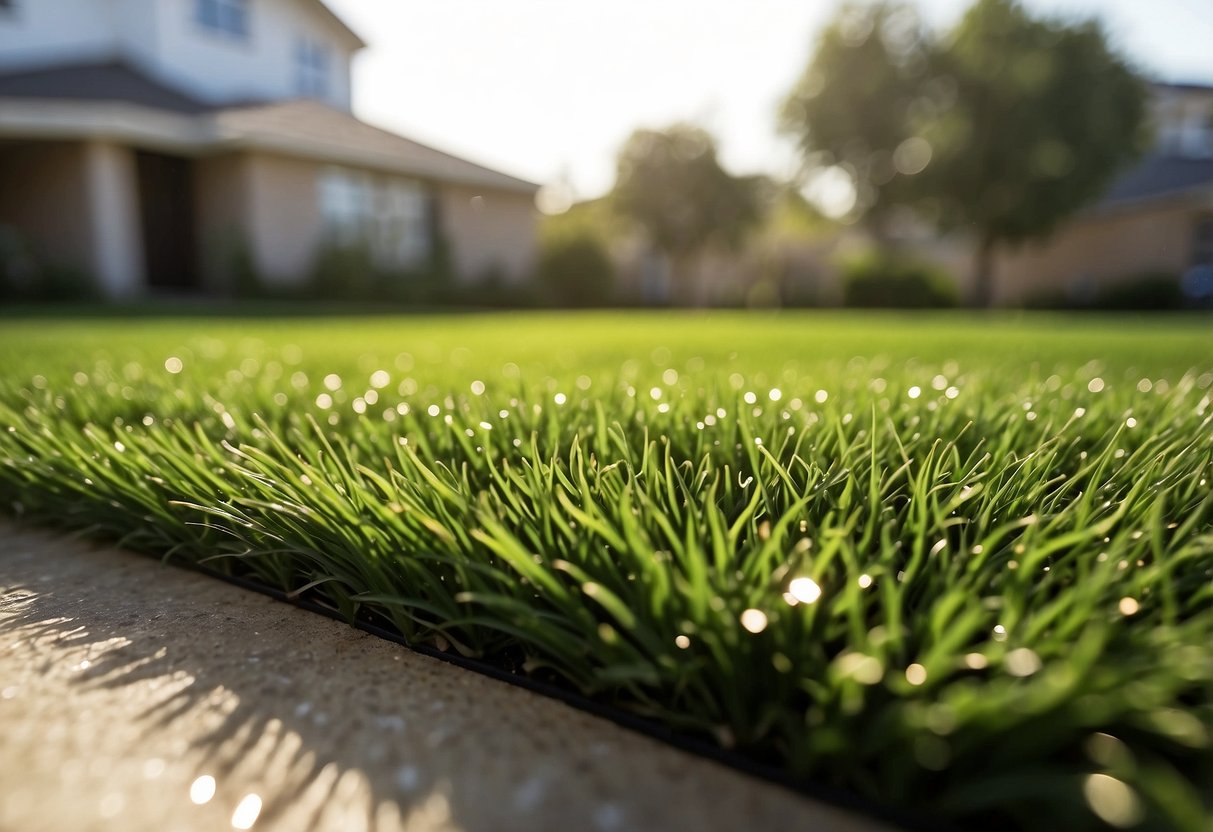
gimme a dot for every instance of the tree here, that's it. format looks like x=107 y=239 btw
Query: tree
x=1004 y=128
x=670 y=184
x=858 y=105
x=1046 y=114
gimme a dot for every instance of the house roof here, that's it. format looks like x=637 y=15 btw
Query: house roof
x=1159 y=175
x=297 y=127
x=324 y=9
x=97 y=82
x=313 y=129
x=1182 y=87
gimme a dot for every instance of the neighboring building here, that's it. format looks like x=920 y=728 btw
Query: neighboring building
x=161 y=144
x=1155 y=219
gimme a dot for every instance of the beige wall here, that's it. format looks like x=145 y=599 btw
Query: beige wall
x=488 y=229
x=112 y=188
x=485 y=229
x=1091 y=253
x=42 y=195
x=284 y=226
x=221 y=211
x=77 y=202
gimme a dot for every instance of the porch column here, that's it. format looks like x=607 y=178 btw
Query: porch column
x=112 y=193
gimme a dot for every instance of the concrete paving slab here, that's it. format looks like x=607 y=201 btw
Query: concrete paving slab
x=136 y=696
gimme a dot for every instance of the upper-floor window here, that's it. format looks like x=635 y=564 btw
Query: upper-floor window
x=227 y=16
x=312 y=61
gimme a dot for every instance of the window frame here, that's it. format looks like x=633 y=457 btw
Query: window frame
x=227 y=19
x=313 y=68
x=1202 y=241
x=390 y=215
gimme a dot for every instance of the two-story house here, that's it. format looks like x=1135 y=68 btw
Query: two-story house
x=153 y=143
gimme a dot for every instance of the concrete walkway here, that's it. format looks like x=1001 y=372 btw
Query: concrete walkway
x=136 y=696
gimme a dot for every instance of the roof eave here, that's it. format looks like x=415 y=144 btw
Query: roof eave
x=1193 y=192
x=318 y=152
x=195 y=135
x=354 y=38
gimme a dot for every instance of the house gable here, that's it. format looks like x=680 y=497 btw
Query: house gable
x=218 y=51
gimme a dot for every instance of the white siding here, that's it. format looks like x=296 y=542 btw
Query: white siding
x=136 y=26
x=44 y=32
x=165 y=38
x=219 y=67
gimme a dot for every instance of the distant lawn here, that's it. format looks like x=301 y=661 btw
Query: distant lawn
x=959 y=566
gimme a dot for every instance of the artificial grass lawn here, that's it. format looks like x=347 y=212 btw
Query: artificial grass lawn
x=959 y=566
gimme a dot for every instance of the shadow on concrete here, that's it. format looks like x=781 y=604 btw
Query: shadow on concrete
x=331 y=728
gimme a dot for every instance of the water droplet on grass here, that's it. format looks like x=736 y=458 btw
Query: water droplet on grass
x=1112 y=800
x=805 y=590
x=247 y=812
x=202 y=789
x=754 y=621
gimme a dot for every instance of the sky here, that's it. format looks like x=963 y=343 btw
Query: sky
x=548 y=90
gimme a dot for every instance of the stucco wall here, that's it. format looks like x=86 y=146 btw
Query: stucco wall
x=1091 y=253
x=489 y=231
x=112 y=191
x=43 y=197
x=77 y=203
x=284 y=225
x=285 y=228
x=221 y=211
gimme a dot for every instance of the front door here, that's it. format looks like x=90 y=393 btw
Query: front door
x=166 y=206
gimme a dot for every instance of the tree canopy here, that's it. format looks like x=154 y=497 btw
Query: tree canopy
x=1045 y=115
x=858 y=103
x=670 y=184
x=1004 y=127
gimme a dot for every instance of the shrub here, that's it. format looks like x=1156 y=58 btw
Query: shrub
x=1148 y=291
x=244 y=281
x=1152 y=291
x=343 y=271
x=18 y=266
x=64 y=282
x=26 y=275
x=882 y=279
x=575 y=270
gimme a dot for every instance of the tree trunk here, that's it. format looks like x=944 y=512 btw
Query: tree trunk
x=684 y=279
x=983 y=273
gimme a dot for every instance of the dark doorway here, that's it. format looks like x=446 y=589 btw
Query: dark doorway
x=166 y=207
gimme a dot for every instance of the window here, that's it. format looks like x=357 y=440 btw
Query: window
x=1202 y=242
x=311 y=68
x=390 y=216
x=346 y=205
x=231 y=17
x=403 y=236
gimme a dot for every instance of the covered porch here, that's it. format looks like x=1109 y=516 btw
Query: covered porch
x=121 y=218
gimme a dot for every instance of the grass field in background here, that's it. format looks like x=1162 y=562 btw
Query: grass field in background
x=961 y=566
